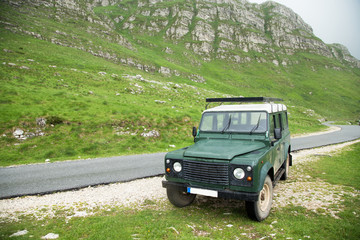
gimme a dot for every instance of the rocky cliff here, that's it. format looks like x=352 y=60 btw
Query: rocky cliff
x=230 y=30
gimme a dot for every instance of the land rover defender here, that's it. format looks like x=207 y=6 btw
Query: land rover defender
x=240 y=152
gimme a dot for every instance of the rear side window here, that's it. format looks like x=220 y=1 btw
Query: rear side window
x=286 y=121
x=277 y=120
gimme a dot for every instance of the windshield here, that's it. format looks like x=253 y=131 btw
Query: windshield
x=251 y=122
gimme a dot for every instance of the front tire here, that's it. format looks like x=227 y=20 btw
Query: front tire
x=178 y=197
x=260 y=209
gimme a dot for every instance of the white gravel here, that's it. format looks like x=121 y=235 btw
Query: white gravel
x=312 y=193
x=299 y=190
x=83 y=202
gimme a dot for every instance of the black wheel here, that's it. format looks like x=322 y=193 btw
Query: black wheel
x=179 y=198
x=260 y=209
x=286 y=166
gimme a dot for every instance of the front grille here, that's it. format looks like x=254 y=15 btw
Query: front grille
x=203 y=172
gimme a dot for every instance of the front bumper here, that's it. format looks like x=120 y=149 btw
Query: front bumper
x=226 y=194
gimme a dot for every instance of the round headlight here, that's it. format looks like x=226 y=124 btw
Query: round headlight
x=239 y=173
x=177 y=167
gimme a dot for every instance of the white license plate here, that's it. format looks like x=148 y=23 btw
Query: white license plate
x=205 y=192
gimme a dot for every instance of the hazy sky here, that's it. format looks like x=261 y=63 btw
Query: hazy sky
x=333 y=21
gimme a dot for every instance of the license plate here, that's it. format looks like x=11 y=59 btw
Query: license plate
x=205 y=192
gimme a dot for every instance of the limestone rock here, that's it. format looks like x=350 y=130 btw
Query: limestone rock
x=19 y=233
x=151 y=134
x=233 y=30
x=19 y=133
x=50 y=236
x=41 y=122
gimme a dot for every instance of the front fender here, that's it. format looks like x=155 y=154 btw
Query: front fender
x=267 y=169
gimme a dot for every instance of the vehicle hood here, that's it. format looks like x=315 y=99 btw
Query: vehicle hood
x=222 y=149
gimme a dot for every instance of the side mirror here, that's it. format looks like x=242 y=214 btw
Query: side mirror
x=277 y=133
x=194 y=131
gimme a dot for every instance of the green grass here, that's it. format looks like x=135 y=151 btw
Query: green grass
x=341 y=169
x=196 y=222
x=216 y=219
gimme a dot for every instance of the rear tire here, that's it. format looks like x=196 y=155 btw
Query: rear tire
x=286 y=166
x=178 y=197
x=260 y=209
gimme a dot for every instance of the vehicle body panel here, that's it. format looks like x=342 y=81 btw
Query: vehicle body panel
x=220 y=148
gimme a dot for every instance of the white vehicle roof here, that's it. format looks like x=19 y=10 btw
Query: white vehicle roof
x=267 y=107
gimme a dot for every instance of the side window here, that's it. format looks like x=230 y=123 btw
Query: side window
x=276 y=121
x=272 y=126
x=281 y=126
x=285 y=120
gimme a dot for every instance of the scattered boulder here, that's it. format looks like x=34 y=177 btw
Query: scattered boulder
x=19 y=233
x=22 y=135
x=151 y=134
x=176 y=86
x=50 y=236
x=165 y=71
x=41 y=122
x=197 y=78
x=18 y=133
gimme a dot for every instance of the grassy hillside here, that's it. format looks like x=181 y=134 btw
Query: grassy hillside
x=96 y=106
x=92 y=114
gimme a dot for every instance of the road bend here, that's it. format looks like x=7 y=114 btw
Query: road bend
x=61 y=176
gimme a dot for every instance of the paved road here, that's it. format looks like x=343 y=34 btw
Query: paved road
x=347 y=133
x=59 y=176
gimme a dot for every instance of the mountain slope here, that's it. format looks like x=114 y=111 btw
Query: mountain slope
x=119 y=77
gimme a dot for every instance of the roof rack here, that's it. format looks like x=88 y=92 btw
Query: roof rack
x=242 y=99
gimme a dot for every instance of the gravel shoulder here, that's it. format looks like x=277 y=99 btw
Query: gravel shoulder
x=300 y=190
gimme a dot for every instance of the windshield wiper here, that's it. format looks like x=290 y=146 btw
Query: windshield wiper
x=256 y=126
x=227 y=125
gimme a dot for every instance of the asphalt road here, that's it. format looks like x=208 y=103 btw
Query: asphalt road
x=59 y=176
x=347 y=133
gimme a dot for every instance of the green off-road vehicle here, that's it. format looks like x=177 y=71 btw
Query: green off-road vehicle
x=240 y=152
